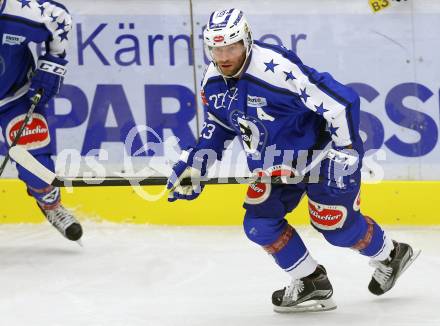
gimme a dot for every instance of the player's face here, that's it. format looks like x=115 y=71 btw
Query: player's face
x=229 y=58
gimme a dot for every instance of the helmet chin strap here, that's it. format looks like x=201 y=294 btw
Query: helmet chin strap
x=237 y=74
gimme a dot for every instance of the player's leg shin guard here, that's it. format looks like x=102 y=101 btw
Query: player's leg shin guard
x=281 y=241
x=360 y=233
x=49 y=201
x=374 y=242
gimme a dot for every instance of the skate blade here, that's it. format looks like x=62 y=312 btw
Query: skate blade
x=414 y=256
x=315 y=306
x=80 y=243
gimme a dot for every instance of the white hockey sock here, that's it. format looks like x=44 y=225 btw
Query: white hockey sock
x=385 y=251
x=305 y=266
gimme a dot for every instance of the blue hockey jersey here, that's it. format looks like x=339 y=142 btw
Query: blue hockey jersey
x=23 y=22
x=278 y=103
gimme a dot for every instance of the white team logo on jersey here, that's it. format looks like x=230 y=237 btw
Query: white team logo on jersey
x=10 y=39
x=258 y=103
x=263 y=115
x=253 y=132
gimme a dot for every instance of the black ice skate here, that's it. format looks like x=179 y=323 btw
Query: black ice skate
x=63 y=221
x=310 y=293
x=388 y=271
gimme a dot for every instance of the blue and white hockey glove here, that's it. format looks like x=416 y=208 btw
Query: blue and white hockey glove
x=188 y=166
x=48 y=76
x=339 y=167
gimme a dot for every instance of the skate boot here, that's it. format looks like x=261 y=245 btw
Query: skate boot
x=388 y=271
x=310 y=293
x=63 y=221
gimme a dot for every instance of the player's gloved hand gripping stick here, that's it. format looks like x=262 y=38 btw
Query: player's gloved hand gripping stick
x=35 y=101
x=184 y=168
x=340 y=167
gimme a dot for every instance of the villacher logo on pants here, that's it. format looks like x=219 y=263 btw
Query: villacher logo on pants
x=35 y=135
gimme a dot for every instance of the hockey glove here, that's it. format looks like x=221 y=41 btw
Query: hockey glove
x=48 y=76
x=188 y=166
x=339 y=167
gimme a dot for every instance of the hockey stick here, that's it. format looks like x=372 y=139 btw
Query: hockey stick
x=35 y=100
x=20 y=155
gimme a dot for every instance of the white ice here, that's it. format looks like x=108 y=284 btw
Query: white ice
x=128 y=275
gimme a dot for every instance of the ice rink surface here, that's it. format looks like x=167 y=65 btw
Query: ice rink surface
x=155 y=275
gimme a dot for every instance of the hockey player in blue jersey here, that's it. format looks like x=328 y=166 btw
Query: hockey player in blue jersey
x=280 y=108
x=23 y=22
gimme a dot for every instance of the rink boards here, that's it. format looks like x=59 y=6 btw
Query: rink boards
x=389 y=202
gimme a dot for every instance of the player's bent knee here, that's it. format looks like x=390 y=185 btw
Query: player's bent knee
x=348 y=228
x=373 y=241
x=361 y=234
x=281 y=242
x=263 y=230
x=286 y=247
x=339 y=225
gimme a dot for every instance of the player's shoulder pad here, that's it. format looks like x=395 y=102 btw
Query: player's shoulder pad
x=55 y=3
x=56 y=17
x=38 y=11
x=210 y=72
x=275 y=65
x=280 y=50
x=29 y=10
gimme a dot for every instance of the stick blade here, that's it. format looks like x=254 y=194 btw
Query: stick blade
x=21 y=155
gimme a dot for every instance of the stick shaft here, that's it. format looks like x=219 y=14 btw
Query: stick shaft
x=162 y=181
x=27 y=161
